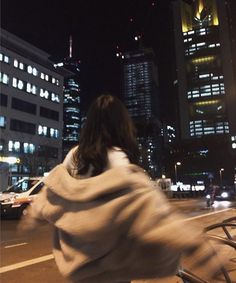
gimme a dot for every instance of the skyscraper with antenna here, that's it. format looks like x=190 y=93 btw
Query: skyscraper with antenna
x=71 y=105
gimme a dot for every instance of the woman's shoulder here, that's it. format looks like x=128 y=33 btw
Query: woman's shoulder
x=116 y=157
x=69 y=161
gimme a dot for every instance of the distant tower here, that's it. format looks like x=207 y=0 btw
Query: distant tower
x=141 y=96
x=71 y=106
x=206 y=86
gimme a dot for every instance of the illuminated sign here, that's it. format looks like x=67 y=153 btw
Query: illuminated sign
x=10 y=159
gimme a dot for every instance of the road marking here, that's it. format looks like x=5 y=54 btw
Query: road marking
x=25 y=263
x=16 y=245
x=207 y=214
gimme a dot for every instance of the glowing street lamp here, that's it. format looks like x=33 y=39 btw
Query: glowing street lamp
x=176 y=164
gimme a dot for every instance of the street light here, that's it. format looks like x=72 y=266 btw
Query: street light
x=221 y=170
x=176 y=164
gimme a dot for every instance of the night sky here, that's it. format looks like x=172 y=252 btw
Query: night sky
x=97 y=28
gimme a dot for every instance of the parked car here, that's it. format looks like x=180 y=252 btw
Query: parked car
x=17 y=197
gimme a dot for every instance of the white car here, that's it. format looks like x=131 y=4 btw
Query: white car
x=17 y=197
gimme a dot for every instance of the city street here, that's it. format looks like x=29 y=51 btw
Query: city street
x=29 y=258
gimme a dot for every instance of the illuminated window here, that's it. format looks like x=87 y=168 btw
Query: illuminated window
x=21 y=66
x=2 y=122
x=28 y=148
x=14 y=146
x=17 y=83
x=30 y=69
x=42 y=130
x=44 y=93
x=55 y=97
x=4 y=58
x=20 y=84
x=35 y=72
x=30 y=88
x=207 y=127
x=54 y=133
x=14 y=82
x=202 y=60
x=4 y=78
x=16 y=63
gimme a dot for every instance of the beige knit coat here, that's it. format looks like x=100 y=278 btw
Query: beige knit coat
x=112 y=227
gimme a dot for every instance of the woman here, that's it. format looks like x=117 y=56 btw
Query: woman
x=107 y=140
x=110 y=224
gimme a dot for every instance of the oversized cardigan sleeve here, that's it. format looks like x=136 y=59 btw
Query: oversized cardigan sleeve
x=118 y=234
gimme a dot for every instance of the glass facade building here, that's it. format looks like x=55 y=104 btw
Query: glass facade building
x=71 y=104
x=206 y=87
x=141 y=97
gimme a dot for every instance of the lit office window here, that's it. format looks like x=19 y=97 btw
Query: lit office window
x=10 y=146
x=4 y=78
x=42 y=130
x=34 y=89
x=21 y=66
x=55 y=97
x=30 y=69
x=42 y=76
x=2 y=122
x=54 y=133
x=20 y=84
x=35 y=72
x=30 y=88
x=14 y=146
x=14 y=82
x=28 y=147
x=44 y=93
x=4 y=58
x=16 y=63
x=17 y=83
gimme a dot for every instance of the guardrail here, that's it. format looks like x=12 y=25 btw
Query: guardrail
x=229 y=240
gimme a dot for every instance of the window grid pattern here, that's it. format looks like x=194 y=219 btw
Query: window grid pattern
x=208 y=127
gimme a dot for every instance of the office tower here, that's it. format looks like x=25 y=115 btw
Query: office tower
x=206 y=87
x=141 y=97
x=31 y=101
x=71 y=103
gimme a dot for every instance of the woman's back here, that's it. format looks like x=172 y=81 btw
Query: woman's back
x=115 y=157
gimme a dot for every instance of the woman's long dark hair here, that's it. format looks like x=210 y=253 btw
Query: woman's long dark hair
x=108 y=124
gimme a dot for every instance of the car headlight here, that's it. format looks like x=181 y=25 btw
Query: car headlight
x=224 y=195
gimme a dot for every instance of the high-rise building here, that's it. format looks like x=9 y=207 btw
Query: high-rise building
x=141 y=97
x=71 y=103
x=206 y=86
x=31 y=100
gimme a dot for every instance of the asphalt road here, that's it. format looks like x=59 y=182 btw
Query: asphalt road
x=29 y=258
